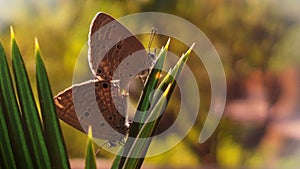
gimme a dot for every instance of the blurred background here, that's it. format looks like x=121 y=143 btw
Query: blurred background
x=258 y=43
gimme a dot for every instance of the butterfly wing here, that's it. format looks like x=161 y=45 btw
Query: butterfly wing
x=113 y=53
x=94 y=103
x=110 y=43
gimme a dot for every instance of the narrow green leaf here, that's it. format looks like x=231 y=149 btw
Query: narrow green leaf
x=118 y=158
x=90 y=161
x=144 y=104
x=142 y=143
x=13 y=117
x=6 y=152
x=170 y=78
x=154 y=76
x=140 y=146
x=156 y=111
x=29 y=110
x=174 y=73
x=52 y=130
x=167 y=86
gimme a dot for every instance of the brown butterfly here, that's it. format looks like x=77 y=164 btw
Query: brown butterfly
x=115 y=55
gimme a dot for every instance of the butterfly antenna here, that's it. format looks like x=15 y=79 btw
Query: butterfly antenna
x=97 y=151
x=153 y=33
x=100 y=147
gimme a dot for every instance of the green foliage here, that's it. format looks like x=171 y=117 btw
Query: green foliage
x=90 y=162
x=30 y=144
x=7 y=157
x=29 y=111
x=44 y=147
x=135 y=149
x=52 y=131
x=13 y=117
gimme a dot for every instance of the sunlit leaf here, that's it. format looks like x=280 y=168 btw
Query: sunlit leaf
x=13 y=116
x=144 y=104
x=29 y=110
x=90 y=161
x=140 y=147
x=52 y=130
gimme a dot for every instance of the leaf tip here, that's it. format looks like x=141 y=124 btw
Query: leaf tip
x=12 y=33
x=37 y=46
x=190 y=49
x=167 y=90
x=90 y=132
x=167 y=44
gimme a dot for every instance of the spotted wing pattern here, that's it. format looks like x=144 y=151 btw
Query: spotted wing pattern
x=110 y=43
x=99 y=102
x=94 y=103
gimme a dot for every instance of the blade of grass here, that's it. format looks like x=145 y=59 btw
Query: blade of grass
x=170 y=79
x=13 y=116
x=143 y=105
x=117 y=160
x=90 y=162
x=173 y=74
x=29 y=110
x=140 y=146
x=52 y=130
x=152 y=81
x=6 y=152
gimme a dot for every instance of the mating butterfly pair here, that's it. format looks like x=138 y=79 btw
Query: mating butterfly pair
x=115 y=56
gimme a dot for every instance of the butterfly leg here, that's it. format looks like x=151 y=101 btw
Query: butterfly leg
x=143 y=76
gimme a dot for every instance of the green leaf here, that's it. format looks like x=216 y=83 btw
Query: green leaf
x=174 y=73
x=6 y=152
x=151 y=83
x=29 y=111
x=90 y=162
x=144 y=104
x=13 y=116
x=140 y=146
x=142 y=143
x=118 y=158
x=52 y=130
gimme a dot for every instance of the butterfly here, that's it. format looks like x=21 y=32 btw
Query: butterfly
x=115 y=56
